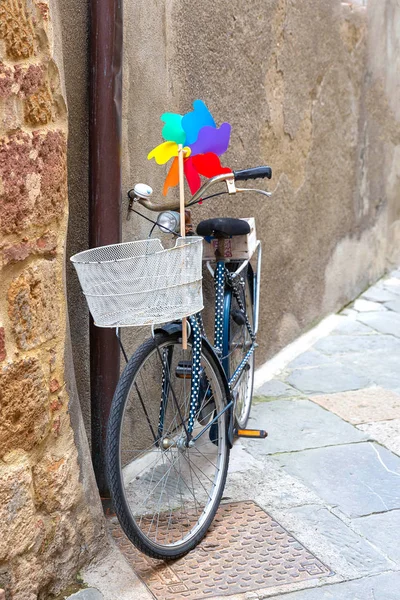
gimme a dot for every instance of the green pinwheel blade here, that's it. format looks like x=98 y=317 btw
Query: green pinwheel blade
x=172 y=130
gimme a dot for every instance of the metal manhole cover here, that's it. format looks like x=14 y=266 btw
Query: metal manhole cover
x=244 y=550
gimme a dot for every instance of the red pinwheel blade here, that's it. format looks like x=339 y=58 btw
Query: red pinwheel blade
x=172 y=179
x=208 y=165
x=192 y=175
x=213 y=140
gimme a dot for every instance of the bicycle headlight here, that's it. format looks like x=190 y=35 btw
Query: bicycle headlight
x=168 y=221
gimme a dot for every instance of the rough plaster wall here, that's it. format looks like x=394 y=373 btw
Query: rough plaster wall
x=50 y=516
x=74 y=18
x=298 y=83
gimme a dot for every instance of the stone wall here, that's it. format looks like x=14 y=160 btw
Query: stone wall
x=50 y=516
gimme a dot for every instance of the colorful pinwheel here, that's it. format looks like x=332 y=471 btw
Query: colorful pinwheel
x=203 y=143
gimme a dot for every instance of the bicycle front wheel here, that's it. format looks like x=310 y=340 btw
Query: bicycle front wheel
x=166 y=494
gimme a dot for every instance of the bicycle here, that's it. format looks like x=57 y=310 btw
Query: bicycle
x=175 y=412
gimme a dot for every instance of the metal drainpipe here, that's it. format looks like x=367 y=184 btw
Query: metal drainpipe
x=105 y=202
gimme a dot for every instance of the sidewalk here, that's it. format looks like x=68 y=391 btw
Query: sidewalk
x=327 y=477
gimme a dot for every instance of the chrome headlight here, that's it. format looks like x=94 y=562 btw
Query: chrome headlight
x=169 y=221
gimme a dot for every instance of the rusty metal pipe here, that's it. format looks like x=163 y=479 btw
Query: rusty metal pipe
x=105 y=201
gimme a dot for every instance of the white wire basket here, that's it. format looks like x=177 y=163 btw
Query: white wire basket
x=142 y=283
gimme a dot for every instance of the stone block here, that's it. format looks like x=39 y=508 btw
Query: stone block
x=327 y=378
x=56 y=481
x=24 y=419
x=45 y=245
x=386 y=433
x=17 y=511
x=362 y=406
x=17 y=30
x=295 y=425
x=33 y=305
x=358 y=478
x=3 y=352
x=33 y=172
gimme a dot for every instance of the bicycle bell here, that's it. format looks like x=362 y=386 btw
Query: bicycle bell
x=142 y=190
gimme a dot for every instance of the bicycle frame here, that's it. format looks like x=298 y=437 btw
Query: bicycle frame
x=221 y=323
x=221 y=317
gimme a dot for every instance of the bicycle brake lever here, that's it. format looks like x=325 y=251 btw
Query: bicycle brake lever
x=254 y=190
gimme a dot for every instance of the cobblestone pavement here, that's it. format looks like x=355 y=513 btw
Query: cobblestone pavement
x=329 y=472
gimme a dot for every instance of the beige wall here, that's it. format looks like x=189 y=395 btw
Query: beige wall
x=307 y=92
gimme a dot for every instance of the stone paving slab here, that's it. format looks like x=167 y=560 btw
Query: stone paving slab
x=276 y=389
x=350 y=326
x=386 y=433
x=379 y=587
x=393 y=305
x=362 y=406
x=87 y=594
x=378 y=294
x=363 y=305
x=334 y=345
x=241 y=460
x=383 y=531
x=327 y=378
x=388 y=322
x=392 y=284
x=312 y=358
x=295 y=425
x=346 y=552
x=358 y=478
x=269 y=486
x=382 y=368
x=111 y=574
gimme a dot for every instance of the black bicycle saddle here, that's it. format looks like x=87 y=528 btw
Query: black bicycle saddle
x=223 y=227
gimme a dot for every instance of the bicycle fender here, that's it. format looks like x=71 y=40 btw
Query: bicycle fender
x=172 y=328
x=169 y=328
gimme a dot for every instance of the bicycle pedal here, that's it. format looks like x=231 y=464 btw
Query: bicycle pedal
x=251 y=433
x=184 y=369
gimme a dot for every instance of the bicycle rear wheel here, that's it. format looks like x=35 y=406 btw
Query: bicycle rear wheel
x=166 y=495
x=237 y=343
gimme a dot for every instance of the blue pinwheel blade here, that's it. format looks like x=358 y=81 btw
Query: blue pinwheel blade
x=195 y=120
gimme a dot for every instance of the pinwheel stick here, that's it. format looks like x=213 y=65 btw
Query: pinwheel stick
x=183 y=231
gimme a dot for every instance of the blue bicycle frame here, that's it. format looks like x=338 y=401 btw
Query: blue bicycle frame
x=223 y=296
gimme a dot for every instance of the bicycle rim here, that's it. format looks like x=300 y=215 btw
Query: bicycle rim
x=164 y=493
x=238 y=346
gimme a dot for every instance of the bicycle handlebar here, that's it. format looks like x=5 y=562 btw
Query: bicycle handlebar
x=254 y=173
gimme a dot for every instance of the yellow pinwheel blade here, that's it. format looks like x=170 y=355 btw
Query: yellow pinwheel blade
x=163 y=152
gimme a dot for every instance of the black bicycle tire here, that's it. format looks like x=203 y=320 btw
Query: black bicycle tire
x=233 y=266
x=112 y=463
